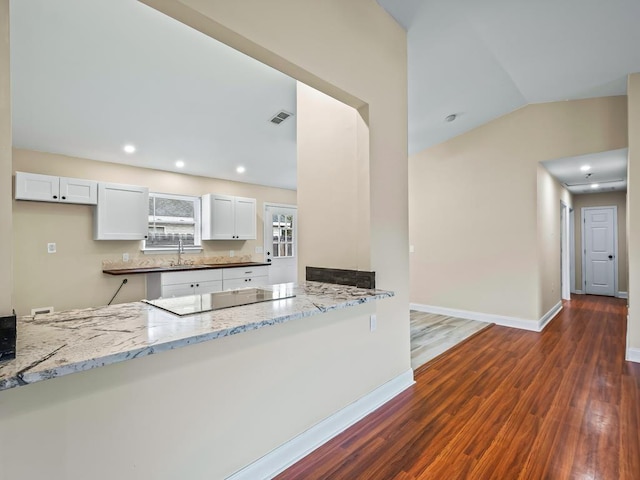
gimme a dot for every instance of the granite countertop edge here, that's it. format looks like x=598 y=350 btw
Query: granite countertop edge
x=322 y=304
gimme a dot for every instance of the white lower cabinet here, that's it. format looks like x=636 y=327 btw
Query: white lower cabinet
x=234 y=278
x=179 y=284
x=191 y=282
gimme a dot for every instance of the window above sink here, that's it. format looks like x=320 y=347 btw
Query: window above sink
x=173 y=219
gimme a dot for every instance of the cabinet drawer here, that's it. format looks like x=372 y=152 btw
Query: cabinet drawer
x=236 y=283
x=246 y=272
x=191 y=276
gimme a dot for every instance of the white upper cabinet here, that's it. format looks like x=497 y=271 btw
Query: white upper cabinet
x=122 y=212
x=48 y=188
x=228 y=218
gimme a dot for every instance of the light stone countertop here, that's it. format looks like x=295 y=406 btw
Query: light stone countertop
x=57 y=344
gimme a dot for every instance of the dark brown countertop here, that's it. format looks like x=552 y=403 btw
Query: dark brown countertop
x=180 y=268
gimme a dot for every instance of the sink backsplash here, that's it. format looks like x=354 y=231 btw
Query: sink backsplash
x=150 y=261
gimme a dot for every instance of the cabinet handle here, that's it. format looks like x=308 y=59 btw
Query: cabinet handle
x=192 y=285
x=197 y=284
x=146 y=236
x=250 y=271
x=64 y=198
x=55 y=196
x=249 y=279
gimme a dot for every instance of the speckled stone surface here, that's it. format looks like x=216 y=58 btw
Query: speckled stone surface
x=60 y=343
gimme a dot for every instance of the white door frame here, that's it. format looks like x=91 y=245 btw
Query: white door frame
x=565 y=252
x=615 y=247
x=572 y=248
x=267 y=241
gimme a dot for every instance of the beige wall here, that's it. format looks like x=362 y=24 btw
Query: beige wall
x=263 y=387
x=633 y=212
x=195 y=413
x=6 y=281
x=550 y=194
x=328 y=142
x=619 y=199
x=72 y=277
x=473 y=204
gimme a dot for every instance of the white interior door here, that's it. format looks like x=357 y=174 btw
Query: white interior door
x=281 y=242
x=599 y=235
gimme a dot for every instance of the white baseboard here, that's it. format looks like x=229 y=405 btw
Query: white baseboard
x=577 y=292
x=547 y=317
x=622 y=295
x=295 y=449
x=504 y=321
x=633 y=355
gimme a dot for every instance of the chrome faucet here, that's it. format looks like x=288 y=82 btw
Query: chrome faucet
x=180 y=250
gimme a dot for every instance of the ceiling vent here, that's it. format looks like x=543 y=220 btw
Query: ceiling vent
x=280 y=117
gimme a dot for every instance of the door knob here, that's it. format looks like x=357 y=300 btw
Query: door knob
x=610 y=257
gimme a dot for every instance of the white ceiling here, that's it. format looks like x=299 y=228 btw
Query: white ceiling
x=481 y=59
x=608 y=170
x=89 y=76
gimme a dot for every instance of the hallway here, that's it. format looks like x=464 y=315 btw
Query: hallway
x=507 y=404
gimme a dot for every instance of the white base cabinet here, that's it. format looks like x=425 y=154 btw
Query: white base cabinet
x=49 y=188
x=234 y=278
x=122 y=212
x=192 y=282
x=179 y=284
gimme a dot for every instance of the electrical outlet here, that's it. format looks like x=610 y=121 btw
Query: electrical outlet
x=259 y=250
x=125 y=257
x=232 y=253
x=51 y=248
x=373 y=322
x=411 y=249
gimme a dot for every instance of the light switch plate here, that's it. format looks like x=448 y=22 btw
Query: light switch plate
x=259 y=250
x=51 y=248
x=232 y=253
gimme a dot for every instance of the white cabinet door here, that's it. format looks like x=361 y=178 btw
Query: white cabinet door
x=33 y=186
x=218 y=217
x=228 y=218
x=178 y=290
x=49 y=188
x=122 y=212
x=245 y=218
x=208 y=287
x=236 y=283
x=76 y=190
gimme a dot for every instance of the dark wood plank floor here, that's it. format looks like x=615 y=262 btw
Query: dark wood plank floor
x=507 y=404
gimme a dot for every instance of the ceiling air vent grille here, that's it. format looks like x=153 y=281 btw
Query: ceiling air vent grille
x=280 y=117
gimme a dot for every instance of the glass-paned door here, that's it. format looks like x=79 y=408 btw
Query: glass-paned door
x=281 y=243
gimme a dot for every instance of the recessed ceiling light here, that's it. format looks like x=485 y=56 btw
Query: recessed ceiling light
x=450 y=118
x=129 y=148
x=585 y=168
x=179 y=163
x=241 y=169
x=594 y=185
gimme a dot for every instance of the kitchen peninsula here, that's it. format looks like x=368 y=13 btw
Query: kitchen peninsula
x=58 y=344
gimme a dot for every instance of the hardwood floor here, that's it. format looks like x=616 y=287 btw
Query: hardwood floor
x=506 y=404
x=432 y=335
